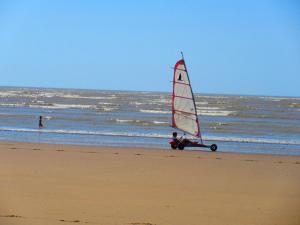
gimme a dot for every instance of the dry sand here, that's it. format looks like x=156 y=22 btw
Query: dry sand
x=60 y=185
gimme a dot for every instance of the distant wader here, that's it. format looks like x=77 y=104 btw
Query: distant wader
x=41 y=122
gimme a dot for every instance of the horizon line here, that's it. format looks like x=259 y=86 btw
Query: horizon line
x=95 y=89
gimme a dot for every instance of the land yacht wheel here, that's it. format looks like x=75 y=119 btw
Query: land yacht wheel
x=213 y=147
x=173 y=146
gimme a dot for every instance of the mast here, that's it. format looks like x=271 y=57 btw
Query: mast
x=182 y=56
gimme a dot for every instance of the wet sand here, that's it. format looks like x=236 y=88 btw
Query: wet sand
x=60 y=185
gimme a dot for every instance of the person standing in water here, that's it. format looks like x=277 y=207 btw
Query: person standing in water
x=41 y=122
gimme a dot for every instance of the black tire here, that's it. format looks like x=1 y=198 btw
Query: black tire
x=173 y=146
x=213 y=147
x=180 y=146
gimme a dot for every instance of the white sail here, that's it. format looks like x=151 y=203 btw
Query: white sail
x=183 y=103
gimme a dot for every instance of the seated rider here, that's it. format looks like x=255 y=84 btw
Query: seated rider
x=182 y=139
x=41 y=122
x=174 y=136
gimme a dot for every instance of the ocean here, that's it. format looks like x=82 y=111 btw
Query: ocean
x=244 y=124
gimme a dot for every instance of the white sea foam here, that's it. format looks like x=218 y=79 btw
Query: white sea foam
x=84 y=132
x=136 y=103
x=154 y=135
x=109 y=109
x=100 y=97
x=202 y=103
x=13 y=104
x=215 y=112
x=200 y=111
x=64 y=106
x=105 y=103
x=38 y=101
x=45 y=94
x=5 y=94
x=139 y=121
x=76 y=96
x=50 y=106
x=155 y=111
x=277 y=98
x=159 y=122
x=126 y=121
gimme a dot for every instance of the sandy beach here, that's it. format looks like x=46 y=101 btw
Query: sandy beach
x=61 y=184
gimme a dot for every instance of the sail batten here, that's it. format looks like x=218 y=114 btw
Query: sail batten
x=182 y=97
x=184 y=112
x=181 y=83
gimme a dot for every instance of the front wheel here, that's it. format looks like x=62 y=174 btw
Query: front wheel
x=213 y=147
x=173 y=146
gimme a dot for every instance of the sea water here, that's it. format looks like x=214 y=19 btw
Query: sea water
x=245 y=124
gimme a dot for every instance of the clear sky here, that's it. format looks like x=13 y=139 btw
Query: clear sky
x=231 y=47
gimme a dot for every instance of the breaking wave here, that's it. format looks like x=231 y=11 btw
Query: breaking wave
x=106 y=107
x=155 y=111
x=215 y=112
x=142 y=122
x=43 y=94
x=152 y=135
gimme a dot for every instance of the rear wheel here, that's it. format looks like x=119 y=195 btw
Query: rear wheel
x=213 y=147
x=180 y=146
x=173 y=146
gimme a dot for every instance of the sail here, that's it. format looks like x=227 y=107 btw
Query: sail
x=184 y=112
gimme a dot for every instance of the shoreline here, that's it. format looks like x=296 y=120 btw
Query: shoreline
x=95 y=146
x=65 y=184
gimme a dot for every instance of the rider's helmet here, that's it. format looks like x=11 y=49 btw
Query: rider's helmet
x=174 y=134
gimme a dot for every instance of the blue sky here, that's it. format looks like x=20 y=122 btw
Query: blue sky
x=230 y=47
